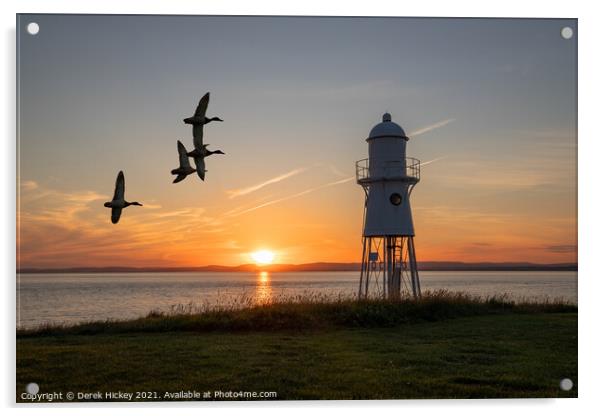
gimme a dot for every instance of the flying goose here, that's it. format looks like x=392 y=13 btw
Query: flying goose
x=199 y=162
x=119 y=203
x=199 y=154
x=209 y=152
x=185 y=169
x=198 y=120
x=199 y=159
x=204 y=152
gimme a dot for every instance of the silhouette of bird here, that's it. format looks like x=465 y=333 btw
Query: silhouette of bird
x=198 y=120
x=200 y=151
x=119 y=203
x=199 y=154
x=199 y=159
x=185 y=169
x=204 y=152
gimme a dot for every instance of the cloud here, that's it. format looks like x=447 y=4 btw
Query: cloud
x=446 y=214
x=242 y=207
x=179 y=213
x=84 y=197
x=249 y=189
x=565 y=248
x=495 y=174
x=286 y=198
x=152 y=206
x=431 y=127
x=58 y=229
x=29 y=185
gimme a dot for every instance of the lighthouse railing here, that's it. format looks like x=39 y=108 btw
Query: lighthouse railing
x=367 y=170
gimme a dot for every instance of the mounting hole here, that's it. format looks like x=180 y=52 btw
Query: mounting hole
x=33 y=28
x=32 y=388
x=566 y=384
x=566 y=32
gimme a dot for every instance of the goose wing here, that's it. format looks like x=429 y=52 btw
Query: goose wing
x=115 y=215
x=119 y=187
x=179 y=178
x=184 y=162
x=200 y=167
x=197 y=136
x=201 y=109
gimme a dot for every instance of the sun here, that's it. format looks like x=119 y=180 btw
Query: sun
x=262 y=256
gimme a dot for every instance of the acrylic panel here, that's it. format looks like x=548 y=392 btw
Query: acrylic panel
x=288 y=208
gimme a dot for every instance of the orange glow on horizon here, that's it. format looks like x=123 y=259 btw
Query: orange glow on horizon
x=263 y=257
x=59 y=228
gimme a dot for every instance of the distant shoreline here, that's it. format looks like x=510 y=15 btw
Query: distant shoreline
x=308 y=267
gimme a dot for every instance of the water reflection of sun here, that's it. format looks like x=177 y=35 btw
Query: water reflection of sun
x=263 y=289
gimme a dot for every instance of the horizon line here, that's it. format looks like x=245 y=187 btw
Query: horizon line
x=442 y=265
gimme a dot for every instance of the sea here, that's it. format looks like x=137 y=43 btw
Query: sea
x=71 y=298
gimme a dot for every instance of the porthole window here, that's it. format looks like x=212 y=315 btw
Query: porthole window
x=395 y=199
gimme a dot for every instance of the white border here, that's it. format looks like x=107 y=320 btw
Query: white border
x=589 y=190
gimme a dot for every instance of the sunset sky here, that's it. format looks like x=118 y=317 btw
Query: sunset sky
x=489 y=105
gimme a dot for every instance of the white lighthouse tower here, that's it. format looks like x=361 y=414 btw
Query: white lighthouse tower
x=388 y=177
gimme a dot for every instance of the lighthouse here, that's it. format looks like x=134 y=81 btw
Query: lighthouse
x=388 y=177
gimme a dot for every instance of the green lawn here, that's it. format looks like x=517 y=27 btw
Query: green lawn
x=499 y=355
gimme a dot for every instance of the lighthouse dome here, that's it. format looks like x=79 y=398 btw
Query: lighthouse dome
x=387 y=128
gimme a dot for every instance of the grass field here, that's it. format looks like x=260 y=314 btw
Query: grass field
x=497 y=350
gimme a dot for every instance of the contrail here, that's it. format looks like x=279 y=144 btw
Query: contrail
x=433 y=160
x=431 y=127
x=286 y=198
x=244 y=191
x=337 y=172
x=239 y=208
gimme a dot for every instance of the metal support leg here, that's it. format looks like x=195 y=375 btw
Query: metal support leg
x=363 y=269
x=413 y=268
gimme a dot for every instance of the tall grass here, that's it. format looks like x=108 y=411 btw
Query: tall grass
x=309 y=311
